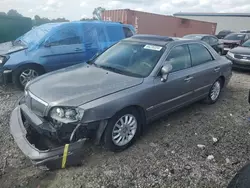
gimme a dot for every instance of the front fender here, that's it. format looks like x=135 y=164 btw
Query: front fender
x=106 y=107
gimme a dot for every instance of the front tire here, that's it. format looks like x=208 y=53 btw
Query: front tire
x=122 y=130
x=24 y=74
x=214 y=92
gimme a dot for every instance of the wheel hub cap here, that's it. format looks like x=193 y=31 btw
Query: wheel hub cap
x=215 y=91
x=27 y=75
x=124 y=130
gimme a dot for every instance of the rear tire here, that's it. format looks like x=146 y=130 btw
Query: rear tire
x=23 y=74
x=214 y=92
x=128 y=130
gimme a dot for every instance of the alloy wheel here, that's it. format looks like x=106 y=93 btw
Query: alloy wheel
x=124 y=130
x=27 y=75
x=215 y=92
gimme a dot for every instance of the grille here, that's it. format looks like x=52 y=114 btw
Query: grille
x=243 y=57
x=230 y=45
x=35 y=104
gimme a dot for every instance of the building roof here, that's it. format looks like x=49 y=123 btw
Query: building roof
x=212 y=14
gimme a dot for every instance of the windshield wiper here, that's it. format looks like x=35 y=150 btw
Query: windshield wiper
x=113 y=69
x=119 y=71
x=19 y=42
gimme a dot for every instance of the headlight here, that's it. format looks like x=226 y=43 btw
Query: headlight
x=67 y=114
x=4 y=58
x=230 y=54
x=1 y=59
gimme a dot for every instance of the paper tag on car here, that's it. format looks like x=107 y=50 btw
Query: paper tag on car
x=153 y=47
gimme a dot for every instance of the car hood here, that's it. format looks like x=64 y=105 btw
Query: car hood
x=241 y=50
x=79 y=84
x=8 y=48
x=231 y=41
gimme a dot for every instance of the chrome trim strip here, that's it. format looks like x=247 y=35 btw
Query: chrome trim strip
x=170 y=100
x=176 y=98
x=201 y=88
x=178 y=106
x=38 y=99
x=243 y=55
x=7 y=71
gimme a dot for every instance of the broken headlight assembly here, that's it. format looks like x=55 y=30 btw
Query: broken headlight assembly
x=66 y=114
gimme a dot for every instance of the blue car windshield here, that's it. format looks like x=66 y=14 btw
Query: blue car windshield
x=130 y=58
x=36 y=34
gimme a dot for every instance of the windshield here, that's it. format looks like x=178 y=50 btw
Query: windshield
x=234 y=37
x=195 y=37
x=130 y=58
x=36 y=34
x=224 y=33
x=246 y=44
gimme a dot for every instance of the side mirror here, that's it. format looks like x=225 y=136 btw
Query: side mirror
x=47 y=44
x=165 y=70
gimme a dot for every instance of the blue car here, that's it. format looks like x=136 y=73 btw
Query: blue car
x=54 y=46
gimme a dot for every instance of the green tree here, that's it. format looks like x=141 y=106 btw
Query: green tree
x=13 y=12
x=97 y=13
x=39 y=21
x=88 y=19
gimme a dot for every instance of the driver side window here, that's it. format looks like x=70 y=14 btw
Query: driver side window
x=179 y=58
x=66 y=36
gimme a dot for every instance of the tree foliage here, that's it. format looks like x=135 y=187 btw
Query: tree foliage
x=39 y=21
x=97 y=13
x=13 y=12
x=88 y=19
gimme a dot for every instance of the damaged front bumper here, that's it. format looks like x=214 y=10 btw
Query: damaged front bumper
x=54 y=157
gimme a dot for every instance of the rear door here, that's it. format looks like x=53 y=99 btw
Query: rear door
x=177 y=90
x=64 y=48
x=205 y=69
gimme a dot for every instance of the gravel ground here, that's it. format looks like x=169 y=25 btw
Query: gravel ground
x=166 y=156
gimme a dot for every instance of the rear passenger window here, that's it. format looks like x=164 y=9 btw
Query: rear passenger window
x=115 y=33
x=179 y=58
x=90 y=37
x=128 y=33
x=199 y=54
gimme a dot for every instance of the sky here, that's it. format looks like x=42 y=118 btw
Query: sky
x=77 y=9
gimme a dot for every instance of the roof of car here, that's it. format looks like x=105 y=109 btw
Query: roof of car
x=238 y=33
x=84 y=22
x=152 y=39
x=201 y=35
x=158 y=40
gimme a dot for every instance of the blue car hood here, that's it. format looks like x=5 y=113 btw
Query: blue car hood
x=8 y=48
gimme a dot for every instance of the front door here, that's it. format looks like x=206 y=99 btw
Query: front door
x=178 y=88
x=63 y=49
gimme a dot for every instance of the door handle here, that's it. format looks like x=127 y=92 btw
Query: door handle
x=217 y=69
x=78 y=49
x=188 y=79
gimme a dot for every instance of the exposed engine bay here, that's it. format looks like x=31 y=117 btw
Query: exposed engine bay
x=51 y=133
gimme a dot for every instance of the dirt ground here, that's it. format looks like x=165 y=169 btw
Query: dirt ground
x=166 y=156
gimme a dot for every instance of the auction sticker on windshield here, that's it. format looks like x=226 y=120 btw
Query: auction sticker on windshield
x=153 y=47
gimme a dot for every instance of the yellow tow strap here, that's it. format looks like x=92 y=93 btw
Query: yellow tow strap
x=65 y=155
